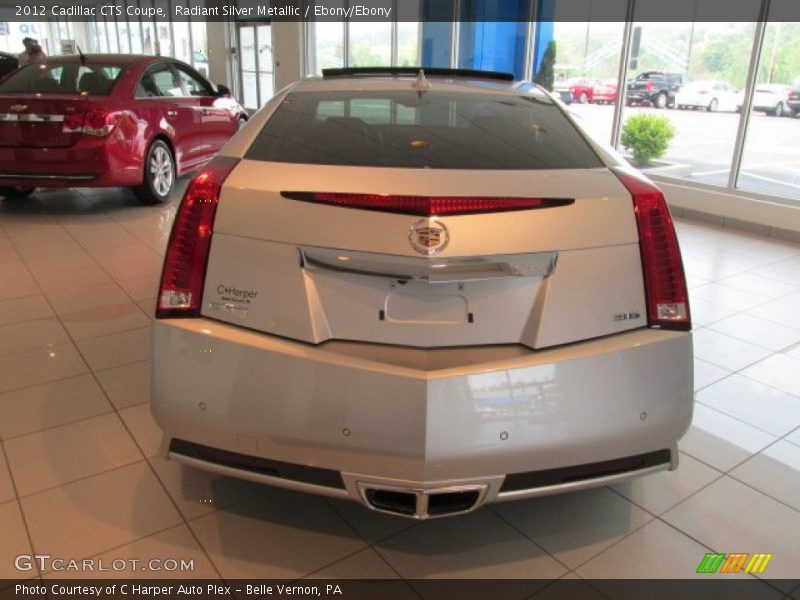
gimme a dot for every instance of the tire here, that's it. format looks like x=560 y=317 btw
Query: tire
x=159 y=175
x=660 y=100
x=712 y=106
x=583 y=98
x=779 y=111
x=242 y=122
x=11 y=192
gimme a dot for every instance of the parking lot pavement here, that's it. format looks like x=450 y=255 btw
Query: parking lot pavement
x=704 y=143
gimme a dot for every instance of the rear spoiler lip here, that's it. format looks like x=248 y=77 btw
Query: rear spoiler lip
x=414 y=71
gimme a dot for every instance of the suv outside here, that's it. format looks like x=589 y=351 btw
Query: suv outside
x=794 y=98
x=655 y=87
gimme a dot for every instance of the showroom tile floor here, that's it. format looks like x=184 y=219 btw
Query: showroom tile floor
x=81 y=475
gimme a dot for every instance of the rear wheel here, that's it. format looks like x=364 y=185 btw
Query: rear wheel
x=583 y=98
x=660 y=100
x=159 y=175
x=15 y=192
x=779 y=111
x=712 y=106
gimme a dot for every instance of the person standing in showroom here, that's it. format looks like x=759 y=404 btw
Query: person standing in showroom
x=33 y=54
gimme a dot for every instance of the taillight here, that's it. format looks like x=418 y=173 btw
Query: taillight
x=426 y=206
x=99 y=123
x=73 y=123
x=187 y=252
x=664 y=281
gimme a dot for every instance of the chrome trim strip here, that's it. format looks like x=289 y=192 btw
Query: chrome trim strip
x=30 y=118
x=432 y=269
x=289 y=484
x=580 y=485
x=49 y=177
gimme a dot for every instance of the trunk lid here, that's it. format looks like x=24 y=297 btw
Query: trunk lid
x=37 y=121
x=315 y=272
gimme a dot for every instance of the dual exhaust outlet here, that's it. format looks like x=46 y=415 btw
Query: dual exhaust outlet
x=423 y=503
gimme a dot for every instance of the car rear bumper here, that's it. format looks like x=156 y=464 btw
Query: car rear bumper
x=90 y=162
x=482 y=425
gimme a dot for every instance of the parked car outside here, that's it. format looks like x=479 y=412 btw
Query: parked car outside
x=770 y=98
x=605 y=92
x=708 y=95
x=794 y=98
x=110 y=120
x=422 y=292
x=656 y=88
x=580 y=89
x=8 y=64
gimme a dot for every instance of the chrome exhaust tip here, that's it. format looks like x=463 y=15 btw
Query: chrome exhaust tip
x=420 y=503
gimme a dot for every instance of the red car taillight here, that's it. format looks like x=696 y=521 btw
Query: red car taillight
x=184 y=271
x=426 y=206
x=98 y=123
x=664 y=281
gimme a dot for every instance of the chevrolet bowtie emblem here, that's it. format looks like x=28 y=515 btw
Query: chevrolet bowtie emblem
x=18 y=107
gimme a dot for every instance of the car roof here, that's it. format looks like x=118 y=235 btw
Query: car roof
x=112 y=59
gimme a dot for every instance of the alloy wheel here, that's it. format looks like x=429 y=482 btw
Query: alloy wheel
x=161 y=171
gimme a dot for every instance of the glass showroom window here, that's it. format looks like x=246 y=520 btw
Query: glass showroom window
x=182 y=38
x=692 y=74
x=199 y=47
x=111 y=35
x=123 y=33
x=334 y=45
x=587 y=64
x=136 y=36
x=408 y=48
x=369 y=44
x=771 y=156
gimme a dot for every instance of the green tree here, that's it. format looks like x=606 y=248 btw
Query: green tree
x=546 y=76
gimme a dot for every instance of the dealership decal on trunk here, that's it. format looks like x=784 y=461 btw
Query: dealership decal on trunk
x=429 y=236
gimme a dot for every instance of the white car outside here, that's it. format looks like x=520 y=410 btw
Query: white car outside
x=422 y=293
x=772 y=98
x=709 y=95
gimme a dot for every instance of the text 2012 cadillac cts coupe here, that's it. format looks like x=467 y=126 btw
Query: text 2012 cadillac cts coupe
x=423 y=292
x=110 y=120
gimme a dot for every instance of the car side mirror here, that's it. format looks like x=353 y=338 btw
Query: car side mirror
x=223 y=90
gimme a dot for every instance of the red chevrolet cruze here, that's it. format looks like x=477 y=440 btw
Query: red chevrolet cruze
x=110 y=120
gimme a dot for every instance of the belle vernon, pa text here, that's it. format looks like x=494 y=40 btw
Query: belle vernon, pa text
x=128 y=589
x=354 y=10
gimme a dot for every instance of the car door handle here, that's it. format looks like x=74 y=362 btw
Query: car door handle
x=172 y=113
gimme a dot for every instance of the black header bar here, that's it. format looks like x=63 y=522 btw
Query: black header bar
x=397 y=10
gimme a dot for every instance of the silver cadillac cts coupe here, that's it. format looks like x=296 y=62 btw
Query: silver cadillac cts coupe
x=422 y=292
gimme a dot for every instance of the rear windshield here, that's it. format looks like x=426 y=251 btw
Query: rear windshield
x=63 y=78
x=434 y=129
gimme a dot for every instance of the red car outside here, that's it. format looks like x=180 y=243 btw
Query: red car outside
x=606 y=92
x=110 y=120
x=581 y=89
